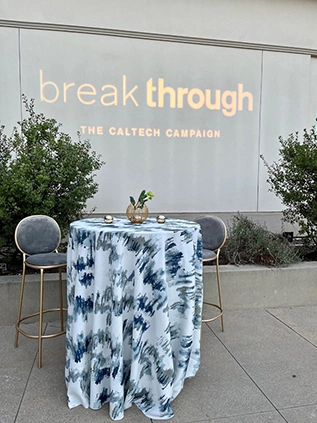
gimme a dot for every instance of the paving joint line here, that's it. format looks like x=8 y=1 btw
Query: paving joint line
x=290 y=327
x=240 y=365
x=27 y=382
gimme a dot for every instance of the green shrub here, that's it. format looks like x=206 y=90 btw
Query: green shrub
x=250 y=243
x=293 y=178
x=42 y=171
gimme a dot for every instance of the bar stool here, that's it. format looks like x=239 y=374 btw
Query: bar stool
x=38 y=237
x=214 y=235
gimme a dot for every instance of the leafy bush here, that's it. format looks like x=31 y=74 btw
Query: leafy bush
x=293 y=178
x=42 y=171
x=250 y=243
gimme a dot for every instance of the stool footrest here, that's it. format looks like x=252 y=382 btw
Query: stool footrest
x=53 y=335
x=215 y=317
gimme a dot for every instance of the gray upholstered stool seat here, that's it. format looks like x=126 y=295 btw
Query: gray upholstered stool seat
x=208 y=254
x=47 y=260
x=38 y=238
x=214 y=234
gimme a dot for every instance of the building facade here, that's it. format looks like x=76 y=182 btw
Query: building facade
x=180 y=97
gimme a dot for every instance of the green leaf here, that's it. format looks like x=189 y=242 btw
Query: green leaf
x=132 y=201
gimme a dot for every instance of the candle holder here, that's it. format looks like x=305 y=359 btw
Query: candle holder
x=160 y=219
x=108 y=218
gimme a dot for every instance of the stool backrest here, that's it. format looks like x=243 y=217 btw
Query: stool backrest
x=214 y=232
x=37 y=234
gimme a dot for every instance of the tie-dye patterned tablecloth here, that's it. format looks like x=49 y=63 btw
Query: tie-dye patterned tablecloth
x=134 y=313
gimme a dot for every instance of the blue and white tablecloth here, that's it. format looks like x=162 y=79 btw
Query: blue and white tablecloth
x=134 y=313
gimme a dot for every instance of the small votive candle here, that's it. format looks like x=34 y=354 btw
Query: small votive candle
x=160 y=219
x=108 y=218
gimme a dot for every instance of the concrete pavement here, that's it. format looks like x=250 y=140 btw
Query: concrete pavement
x=262 y=369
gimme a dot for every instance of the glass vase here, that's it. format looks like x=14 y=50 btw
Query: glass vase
x=137 y=215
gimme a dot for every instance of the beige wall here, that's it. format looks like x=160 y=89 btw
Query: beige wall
x=274 y=42
x=276 y=22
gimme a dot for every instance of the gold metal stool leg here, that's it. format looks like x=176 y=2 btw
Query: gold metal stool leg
x=16 y=342
x=219 y=307
x=40 y=336
x=40 y=320
x=220 y=295
x=61 y=299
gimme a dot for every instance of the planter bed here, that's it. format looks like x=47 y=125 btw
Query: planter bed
x=247 y=286
x=250 y=286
